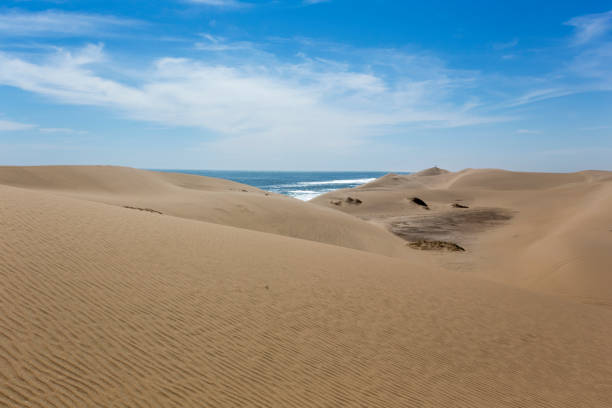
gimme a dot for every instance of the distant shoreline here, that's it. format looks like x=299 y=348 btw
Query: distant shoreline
x=303 y=185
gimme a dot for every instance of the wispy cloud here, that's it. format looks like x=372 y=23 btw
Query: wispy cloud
x=590 y=27
x=312 y=103
x=62 y=131
x=595 y=64
x=322 y=96
x=215 y=43
x=16 y=23
x=588 y=68
x=539 y=95
x=8 y=125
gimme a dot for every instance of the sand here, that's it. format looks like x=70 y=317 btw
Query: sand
x=278 y=303
x=205 y=199
x=546 y=232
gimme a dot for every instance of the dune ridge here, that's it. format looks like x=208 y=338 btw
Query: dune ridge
x=205 y=199
x=108 y=306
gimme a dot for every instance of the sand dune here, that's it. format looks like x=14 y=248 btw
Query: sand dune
x=548 y=232
x=205 y=199
x=108 y=306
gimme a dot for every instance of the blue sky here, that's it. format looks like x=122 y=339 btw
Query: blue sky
x=307 y=85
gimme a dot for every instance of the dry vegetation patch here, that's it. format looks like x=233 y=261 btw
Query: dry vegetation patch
x=448 y=226
x=427 y=245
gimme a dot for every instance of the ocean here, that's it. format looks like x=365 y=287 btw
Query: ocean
x=302 y=185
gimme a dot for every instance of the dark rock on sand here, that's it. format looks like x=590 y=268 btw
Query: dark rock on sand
x=420 y=202
x=457 y=205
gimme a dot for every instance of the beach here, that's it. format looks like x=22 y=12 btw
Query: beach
x=125 y=287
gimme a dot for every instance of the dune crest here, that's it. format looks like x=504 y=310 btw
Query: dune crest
x=433 y=171
x=205 y=199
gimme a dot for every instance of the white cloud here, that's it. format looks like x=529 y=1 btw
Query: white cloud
x=61 y=130
x=215 y=43
x=8 y=125
x=14 y=23
x=312 y=104
x=589 y=69
x=590 y=27
x=595 y=63
x=540 y=95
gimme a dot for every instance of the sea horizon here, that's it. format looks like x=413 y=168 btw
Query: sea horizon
x=303 y=185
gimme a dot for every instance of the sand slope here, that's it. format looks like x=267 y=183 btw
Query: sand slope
x=558 y=238
x=104 y=306
x=205 y=199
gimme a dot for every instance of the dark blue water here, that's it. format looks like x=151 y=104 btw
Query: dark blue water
x=298 y=184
